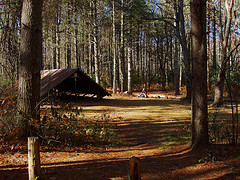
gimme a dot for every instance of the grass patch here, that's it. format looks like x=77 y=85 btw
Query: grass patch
x=166 y=146
x=238 y=157
x=170 y=140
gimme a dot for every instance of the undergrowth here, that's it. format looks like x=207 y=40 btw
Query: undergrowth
x=68 y=126
x=60 y=124
x=9 y=127
x=219 y=128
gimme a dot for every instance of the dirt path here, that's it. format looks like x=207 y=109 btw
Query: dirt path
x=155 y=130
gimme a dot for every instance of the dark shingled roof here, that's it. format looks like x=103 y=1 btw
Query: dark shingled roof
x=64 y=80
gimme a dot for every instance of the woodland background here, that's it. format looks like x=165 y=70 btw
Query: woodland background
x=126 y=44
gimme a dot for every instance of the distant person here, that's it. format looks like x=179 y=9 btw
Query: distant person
x=144 y=93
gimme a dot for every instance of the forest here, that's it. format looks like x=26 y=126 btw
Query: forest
x=184 y=49
x=124 y=44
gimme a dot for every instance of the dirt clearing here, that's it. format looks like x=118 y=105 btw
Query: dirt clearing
x=155 y=130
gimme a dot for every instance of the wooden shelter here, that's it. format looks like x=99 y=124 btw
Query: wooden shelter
x=70 y=81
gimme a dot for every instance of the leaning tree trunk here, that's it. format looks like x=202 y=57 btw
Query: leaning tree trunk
x=30 y=62
x=218 y=98
x=199 y=78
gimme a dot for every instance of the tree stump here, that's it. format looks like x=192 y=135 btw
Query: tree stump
x=34 y=169
x=134 y=168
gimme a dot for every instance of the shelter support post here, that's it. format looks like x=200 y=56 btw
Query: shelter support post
x=99 y=96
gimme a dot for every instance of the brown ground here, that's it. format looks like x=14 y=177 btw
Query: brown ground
x=152 y=129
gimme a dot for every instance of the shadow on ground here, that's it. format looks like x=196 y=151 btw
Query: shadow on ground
x=169 y=165
x=177 y=162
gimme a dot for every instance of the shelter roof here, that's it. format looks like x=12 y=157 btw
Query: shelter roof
x=70 y=80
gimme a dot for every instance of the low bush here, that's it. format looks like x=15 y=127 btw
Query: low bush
x=70 y=127
x=64 y=125
x=8 y=109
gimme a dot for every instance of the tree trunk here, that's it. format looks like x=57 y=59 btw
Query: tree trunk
x=176 y=55
x=69 y=45
x=214 y=59
x=176 y=68
x=138 y=52
x=59 y=39
x=199 y=81
x=95 y=42
x=186 y=53
x=54 y=61
x=218 y=98
x=114 y=49
x=89 y=53
x=122 y=53
x=77 y=54
x=30 y=62
x=129 y=71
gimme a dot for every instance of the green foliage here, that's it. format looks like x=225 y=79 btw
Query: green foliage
x=207 y=158
x=182 y=137
x=5 y=82
x=238 y=157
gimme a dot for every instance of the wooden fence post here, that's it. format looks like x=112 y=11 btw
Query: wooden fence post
x=34 y=169
x=134 y=168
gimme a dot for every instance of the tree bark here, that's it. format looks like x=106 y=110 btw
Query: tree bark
x=54 y=31
x=214 y=43
x=95 y=42
x=181 y=34
x=176 y=54
x=129 y=71
x=218 y=98
x=69 y=45
x=30 y=62
x=114 y=49
x=176 y=68
x=59 y=38
x=199 y=81
x=122 y=53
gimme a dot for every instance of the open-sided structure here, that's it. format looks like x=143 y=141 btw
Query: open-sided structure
x=71 y=81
